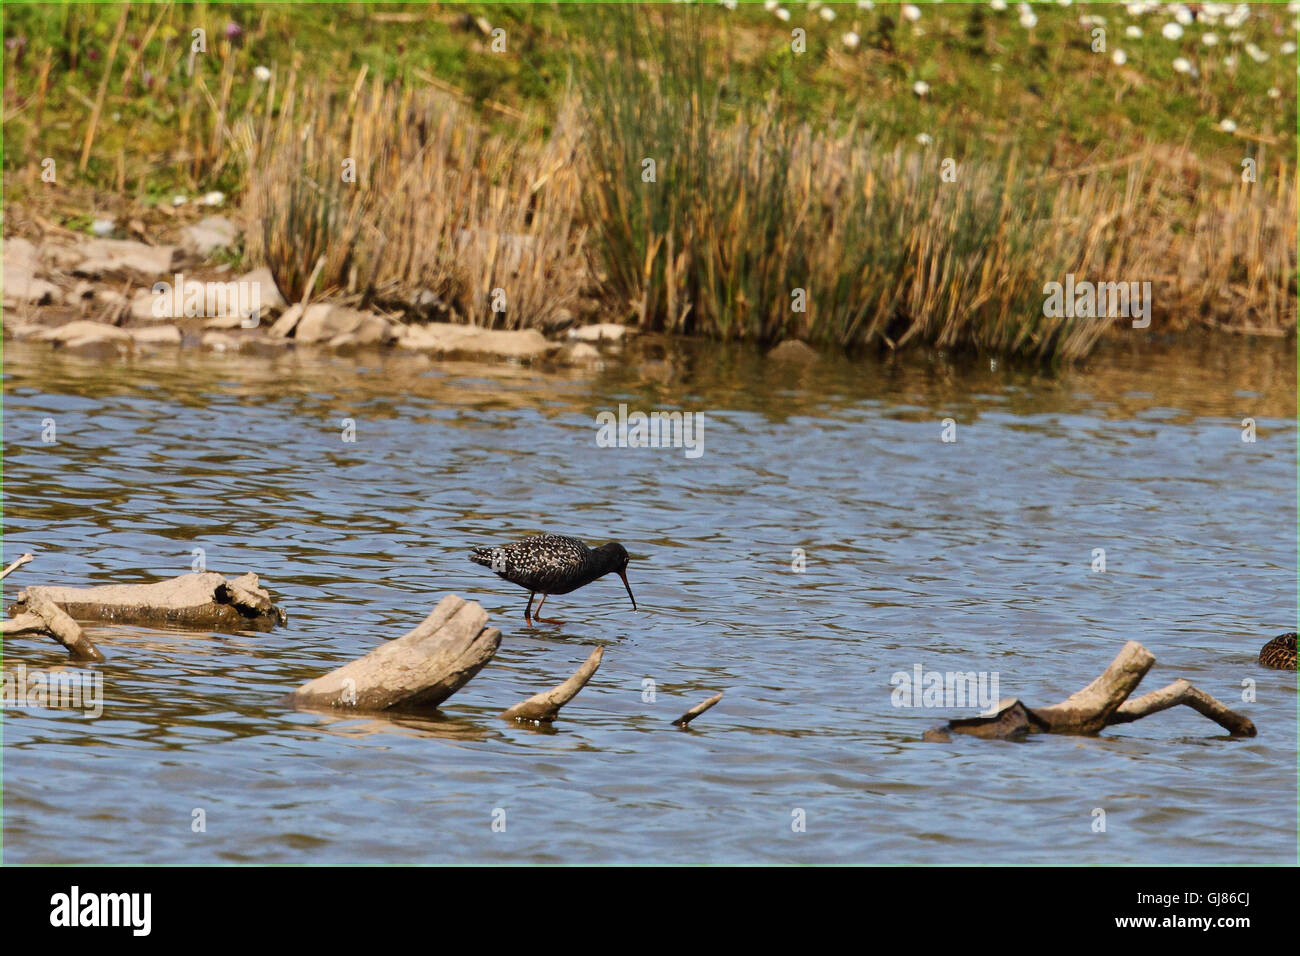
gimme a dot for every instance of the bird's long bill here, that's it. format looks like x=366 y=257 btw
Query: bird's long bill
x=629 y=588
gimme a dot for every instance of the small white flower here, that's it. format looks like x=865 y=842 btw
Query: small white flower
x=1274 y=93
x=1064 y=3
x=911 y=12
x=1210 y=39
x=998 y=5
x=103 y=227
x=1171 y=31
x=1182 y=65
x=866 y=4
x=728 y=4
x=1133 y=33
x=1028 y=19
x=782 y=14
x=920 y=88
x=1183 y=16
x=1255 y=53
x=1119 y=58
x=770 y=5
x=925 y=139
x=1230 y=61
x=261 y=74
x=1235 y=37
x=851 y=40
x=1228 y=126
x=827 y=14
x=996 y=67
x=213 y=199
x=1237 y=17
x=179 y=200
x=1288 y=48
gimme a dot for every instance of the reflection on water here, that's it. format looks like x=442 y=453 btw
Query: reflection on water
x=974 y=555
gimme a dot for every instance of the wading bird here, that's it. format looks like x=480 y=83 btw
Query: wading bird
x=549 y=564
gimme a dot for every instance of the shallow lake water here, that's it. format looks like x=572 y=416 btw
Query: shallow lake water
x=955 y=556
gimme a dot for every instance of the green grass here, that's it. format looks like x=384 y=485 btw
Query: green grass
x=991 y=81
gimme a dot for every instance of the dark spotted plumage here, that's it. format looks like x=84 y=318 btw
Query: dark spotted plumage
x=1279 y=653
x=548 y=564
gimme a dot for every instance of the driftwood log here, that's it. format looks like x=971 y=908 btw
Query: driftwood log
x=1102 y=703
x=43 y=616
x=543 y=707
x=418 y=670
x=695 y=711
x=205 y=601
x=18 y=563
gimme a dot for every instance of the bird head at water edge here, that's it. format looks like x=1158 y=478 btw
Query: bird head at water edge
x=614 y=557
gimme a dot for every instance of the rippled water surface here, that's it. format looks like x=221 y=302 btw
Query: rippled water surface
x=973 y=555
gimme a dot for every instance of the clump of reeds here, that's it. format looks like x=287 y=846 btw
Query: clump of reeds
x=396 y=197
x=746 y=223
x=759 y=227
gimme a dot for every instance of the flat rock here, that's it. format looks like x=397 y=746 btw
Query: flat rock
x=581 y=352
x=21 y=252
x=373 y=330
x=231 y=321
x=18 y=329
x=100 y=256
x=446 y=337
x=601 y=332
x=323 y=322
x=792 y=350
x=157 y=335
x=22 y=285
x=268 y=293
x=209 y=235
x=84 y=332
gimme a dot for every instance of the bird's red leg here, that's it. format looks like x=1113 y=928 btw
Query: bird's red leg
x=528 y=619
x=537 y=615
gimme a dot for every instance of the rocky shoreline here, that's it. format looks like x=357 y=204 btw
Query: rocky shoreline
x=120 y=295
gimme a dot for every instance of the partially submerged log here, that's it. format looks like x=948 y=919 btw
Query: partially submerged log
x=543 y=707
x=204 y=601
x=695 y=711
x=43 y=616
x=418 y=670
x=1102 y=703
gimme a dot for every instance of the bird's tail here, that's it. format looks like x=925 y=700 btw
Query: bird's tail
x=482 y=556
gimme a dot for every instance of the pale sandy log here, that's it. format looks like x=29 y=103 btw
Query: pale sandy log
x=18 y=563
x=1089 y=710
x=206 y=600
x=544 y=706
x=420 y=669
x=43 y=616
x=1182 y=692
x=695 y=711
